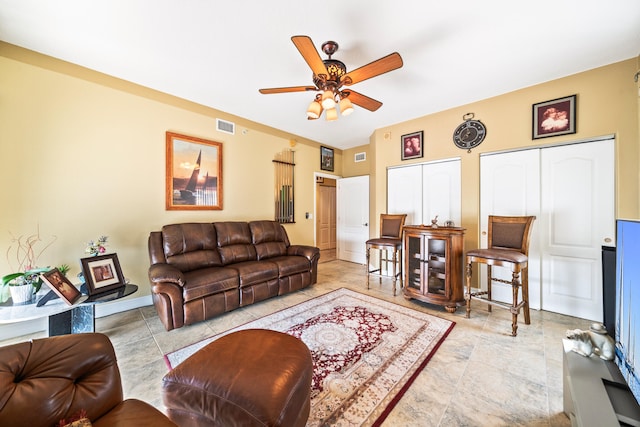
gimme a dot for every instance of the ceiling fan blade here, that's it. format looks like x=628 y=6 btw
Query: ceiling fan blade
x=363 y=100
x=287 y=89
x=383 y=65
x=310 y=54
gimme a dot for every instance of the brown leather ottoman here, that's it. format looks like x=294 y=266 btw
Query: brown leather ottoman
x=254 y=377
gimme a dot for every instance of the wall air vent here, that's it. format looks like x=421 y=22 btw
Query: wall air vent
x=360 y=157
x=226 y=127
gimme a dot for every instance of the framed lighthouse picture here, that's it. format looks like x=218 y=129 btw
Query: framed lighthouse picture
x=194 y=173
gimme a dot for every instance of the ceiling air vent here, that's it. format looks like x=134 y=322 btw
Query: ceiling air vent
x=360 y=157
x=226 y=127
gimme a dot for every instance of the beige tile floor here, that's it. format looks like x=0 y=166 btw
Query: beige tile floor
x=480 y=376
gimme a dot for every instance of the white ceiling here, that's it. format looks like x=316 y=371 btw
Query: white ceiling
x=219 y=53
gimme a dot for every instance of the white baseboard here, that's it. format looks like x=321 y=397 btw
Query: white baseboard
x=13 y=330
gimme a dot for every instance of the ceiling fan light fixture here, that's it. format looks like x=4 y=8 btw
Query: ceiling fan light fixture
x=346 y=107
x=314 y=110
x=327 y=100
x=331 y=114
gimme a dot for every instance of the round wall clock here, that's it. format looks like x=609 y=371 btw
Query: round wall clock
x=470 y=133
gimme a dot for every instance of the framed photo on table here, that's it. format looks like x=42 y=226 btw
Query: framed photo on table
x=61 y=286
x=102 y=273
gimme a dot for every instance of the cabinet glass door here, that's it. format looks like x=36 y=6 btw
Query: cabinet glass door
x=414 y=261
x=436 y=265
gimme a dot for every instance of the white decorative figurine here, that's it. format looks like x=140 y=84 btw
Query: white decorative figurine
x=594 y=341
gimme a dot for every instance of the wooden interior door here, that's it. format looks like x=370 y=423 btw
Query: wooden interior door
x=326 y=214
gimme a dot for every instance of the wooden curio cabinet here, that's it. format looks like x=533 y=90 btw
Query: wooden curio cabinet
x=433 y=265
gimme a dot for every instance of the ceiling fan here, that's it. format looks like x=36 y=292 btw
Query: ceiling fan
x=330 y=77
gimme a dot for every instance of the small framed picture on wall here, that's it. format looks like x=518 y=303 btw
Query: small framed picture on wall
x=411 y=146
x=555 y=117
x=326 y=159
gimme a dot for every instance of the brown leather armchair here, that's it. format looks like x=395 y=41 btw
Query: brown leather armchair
x=47 y=380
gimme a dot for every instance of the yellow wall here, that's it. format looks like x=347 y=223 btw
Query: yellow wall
x=83 y=155
x=353 y=168
x=607 y=104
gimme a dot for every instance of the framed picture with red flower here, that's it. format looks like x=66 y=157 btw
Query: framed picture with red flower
x=102 y=273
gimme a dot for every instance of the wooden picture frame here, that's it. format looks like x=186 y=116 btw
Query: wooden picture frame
x=411 y=146
x=102 y=273
x=61 y=286
x=554 y=117
x=193 y=173
x=326 y=159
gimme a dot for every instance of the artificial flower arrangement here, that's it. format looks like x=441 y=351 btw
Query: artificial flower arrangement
x=26 y=256
x=97 y=247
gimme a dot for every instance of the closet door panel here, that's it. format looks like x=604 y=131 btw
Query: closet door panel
x=510 y=186
x=578 y=218
x=441 y=192
x=404 y=192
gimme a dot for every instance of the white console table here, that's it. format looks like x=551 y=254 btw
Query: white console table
x=586 y=400
x=63 y=318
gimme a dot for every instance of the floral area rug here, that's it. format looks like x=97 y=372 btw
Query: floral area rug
x=366 y=352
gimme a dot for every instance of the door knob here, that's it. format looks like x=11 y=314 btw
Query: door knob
x=366 y=224
x=484 y=233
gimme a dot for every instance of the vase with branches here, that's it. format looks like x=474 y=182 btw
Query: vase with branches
x=22 y=257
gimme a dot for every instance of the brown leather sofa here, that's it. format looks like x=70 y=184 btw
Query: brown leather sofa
x=201 y=270
x=47 y=380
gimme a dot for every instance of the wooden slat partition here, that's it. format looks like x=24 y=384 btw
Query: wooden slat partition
x=283 y=189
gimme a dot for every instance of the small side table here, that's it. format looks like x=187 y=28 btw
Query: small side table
x=63 y=318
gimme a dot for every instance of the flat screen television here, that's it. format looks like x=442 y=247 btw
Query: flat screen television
x=627 y=317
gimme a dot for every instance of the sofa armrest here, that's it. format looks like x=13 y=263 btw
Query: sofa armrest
x=159 y=273
x=166 y=290
x=309 y=252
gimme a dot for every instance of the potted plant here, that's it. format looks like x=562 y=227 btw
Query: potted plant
x=24 y=283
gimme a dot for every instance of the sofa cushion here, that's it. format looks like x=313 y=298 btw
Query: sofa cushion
x=270 y=249
x=269 y=238
x=234 y=242
x=289 y=265
x=191 y=246
x=252 y=272
x=209 y=281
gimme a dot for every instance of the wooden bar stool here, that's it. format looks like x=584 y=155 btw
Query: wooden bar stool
x=390 y=240
x=508 y=247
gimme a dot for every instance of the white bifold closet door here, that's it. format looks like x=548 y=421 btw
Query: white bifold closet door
x=570 y=189
x=425 y=190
